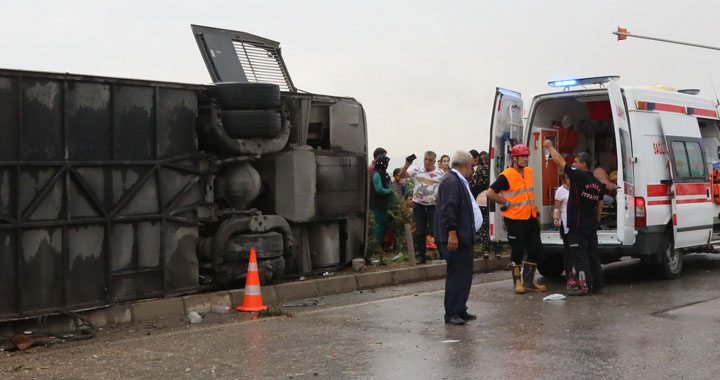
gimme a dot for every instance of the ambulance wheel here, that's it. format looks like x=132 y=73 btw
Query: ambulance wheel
x=551 y=265
x=671 y=260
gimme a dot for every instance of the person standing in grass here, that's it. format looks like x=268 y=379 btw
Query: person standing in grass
x=380 y=194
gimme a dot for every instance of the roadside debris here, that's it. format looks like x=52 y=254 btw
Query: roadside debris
x=194 y=317
x=358 y=264
x=305 y=302
x=554 y=297
x=328 y=274
x=22 y=342
x=220 y=309
x=83 y=329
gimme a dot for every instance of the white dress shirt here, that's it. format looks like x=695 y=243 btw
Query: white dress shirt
x=476 y=210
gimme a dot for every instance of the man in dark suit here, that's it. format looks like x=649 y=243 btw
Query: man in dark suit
x=457 y=219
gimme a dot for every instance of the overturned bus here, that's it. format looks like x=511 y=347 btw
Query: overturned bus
x=120 y=189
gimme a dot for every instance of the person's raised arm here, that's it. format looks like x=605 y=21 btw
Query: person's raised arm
x=556 y=156
x=403 y=172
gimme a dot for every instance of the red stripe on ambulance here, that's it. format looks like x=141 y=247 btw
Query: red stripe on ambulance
x=698 y=200
x=657 y=190
x=654 y=203
x=691 y=188
x=652 y=106
x=702 y=112
x=669 y=108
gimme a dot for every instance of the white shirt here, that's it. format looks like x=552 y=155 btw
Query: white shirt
x=562 y=195
x=477 y=215
x=426 y=184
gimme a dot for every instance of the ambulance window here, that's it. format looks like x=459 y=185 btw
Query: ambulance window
x=697 y=169
x=626 y=158
x=688 y=159
x=710 y=132
x=680 y=162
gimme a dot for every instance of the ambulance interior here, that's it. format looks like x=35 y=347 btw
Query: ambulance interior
x=710 y=132
x=575 y=123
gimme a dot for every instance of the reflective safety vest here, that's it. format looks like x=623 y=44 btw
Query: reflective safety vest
x=520 y=195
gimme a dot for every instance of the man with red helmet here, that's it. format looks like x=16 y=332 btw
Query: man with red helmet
x=513 y=190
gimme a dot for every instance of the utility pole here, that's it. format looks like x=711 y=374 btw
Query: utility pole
x=623 y=34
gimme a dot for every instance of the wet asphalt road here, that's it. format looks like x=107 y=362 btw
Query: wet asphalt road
x=641 y=328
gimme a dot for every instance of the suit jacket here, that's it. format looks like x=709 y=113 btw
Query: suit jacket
x=453 y=210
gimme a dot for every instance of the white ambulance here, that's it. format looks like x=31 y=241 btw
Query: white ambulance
x=658 y=144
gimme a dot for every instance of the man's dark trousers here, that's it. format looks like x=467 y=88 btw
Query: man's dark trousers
x=524 y=235
x=423 y=218
x=583 y=244
x=458 y=279
x=568 y=255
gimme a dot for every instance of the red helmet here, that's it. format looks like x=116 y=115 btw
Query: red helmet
x=520 y=150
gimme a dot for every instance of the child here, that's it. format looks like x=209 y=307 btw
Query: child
x=399 y=186
x=560 y=220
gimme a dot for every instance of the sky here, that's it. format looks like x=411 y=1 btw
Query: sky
x=425 y=71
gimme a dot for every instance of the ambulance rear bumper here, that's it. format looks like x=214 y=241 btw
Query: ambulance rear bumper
x=648 y=241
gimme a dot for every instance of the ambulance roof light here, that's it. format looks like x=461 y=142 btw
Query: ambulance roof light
x=567 y=83
x=563 y=83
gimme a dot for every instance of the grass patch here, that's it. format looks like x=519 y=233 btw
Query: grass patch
x=274 y=310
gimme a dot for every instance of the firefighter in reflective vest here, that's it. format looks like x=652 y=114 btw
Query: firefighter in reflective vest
x=513 y=191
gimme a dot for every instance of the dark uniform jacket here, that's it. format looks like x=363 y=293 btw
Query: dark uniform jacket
x=454 y=211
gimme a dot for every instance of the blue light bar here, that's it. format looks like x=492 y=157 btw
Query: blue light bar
x=563 y=83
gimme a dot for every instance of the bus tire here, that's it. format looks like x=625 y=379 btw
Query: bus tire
x=241 y=95
x=252 y=123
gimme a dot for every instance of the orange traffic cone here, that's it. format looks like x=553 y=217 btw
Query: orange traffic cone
x=252 y=300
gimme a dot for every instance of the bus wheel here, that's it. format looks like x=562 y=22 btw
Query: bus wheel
x=671 y=261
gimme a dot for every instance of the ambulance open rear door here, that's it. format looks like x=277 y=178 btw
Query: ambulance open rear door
x=625 y=175
x=692 y=206
x=506 y=130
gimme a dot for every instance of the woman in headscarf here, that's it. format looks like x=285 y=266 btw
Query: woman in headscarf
x=380 y=194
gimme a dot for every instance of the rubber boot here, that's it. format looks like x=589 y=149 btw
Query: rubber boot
x=529 y=278
x=518 y=287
